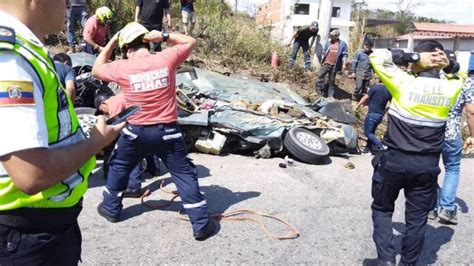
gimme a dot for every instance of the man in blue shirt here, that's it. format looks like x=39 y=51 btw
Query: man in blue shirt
x=66 y=74
x=377 y=98
x=189 y=18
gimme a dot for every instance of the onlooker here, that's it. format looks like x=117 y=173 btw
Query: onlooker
x=417 y=117
x=452 y=150
x=76 y=12
x=189 y=17
x=377 y=98
x=301 y=40
x=66 y=74
x=96 y=30
x=361 y=69
x=334 y=60
x=150 y=14
x=148 y=80
x=45 y=159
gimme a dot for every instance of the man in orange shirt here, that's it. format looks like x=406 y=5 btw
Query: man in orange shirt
x=148 y=80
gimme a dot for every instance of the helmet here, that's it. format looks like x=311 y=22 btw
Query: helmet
x=104 y=14
x=130 y=32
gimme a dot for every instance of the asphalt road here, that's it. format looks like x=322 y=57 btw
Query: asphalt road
x=329 y=204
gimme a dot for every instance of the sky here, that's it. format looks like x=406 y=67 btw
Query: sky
x=459 y=11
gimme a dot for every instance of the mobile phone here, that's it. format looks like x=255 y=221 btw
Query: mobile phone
x=122 y=116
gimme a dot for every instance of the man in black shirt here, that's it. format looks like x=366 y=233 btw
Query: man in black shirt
x=301 y=38
x=150 y=14
x=377 y=98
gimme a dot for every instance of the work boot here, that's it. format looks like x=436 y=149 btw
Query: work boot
x=377 y=262
x=433 y=214
x=132 y=193
x=104 y=213
x=207 y=232
x=448 y=216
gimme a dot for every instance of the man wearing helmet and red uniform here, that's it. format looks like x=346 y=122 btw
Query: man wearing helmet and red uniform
x=148 y=80
x=96 y=29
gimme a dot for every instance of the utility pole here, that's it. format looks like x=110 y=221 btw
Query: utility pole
x=325 y=15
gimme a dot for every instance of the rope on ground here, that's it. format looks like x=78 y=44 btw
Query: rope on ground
x=227 y=216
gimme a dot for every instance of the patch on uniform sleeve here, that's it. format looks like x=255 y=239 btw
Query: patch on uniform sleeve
x=14 y=93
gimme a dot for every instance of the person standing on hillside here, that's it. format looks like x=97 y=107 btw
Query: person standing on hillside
x=417 y=117
x=362 y=70
x=150 y=14
x=45 y=159
x=334 y=60
x=301 y=40
x=189 y=17
x=76 y=12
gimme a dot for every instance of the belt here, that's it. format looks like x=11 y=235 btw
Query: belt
x=157 y=125
x=39 y=218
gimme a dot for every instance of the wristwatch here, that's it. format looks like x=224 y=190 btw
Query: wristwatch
x=165 y=36
x=411 y=57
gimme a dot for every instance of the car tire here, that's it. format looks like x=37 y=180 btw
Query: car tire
x=305 y=145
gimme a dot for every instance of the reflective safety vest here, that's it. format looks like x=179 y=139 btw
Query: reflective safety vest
x=419 y=108
x=63 y=130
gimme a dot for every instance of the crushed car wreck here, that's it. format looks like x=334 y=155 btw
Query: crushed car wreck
x=223 y=113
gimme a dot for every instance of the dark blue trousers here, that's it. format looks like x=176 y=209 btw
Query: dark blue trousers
x=167 y=142
x=417 y=175
x=371 y=122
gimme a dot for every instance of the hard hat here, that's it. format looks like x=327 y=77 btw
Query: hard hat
x=130 y=32
x=104 y=14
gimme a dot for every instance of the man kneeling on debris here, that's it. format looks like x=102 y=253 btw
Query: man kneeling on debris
x=148 y=80
x=421 y=101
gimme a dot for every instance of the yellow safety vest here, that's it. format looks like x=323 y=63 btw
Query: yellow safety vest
x=63 y=130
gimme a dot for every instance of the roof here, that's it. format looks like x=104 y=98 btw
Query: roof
x=443 y=30
x=422 y=37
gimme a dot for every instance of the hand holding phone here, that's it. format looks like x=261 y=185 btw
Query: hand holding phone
x=122 y=116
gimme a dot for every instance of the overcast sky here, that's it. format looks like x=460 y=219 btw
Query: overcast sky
x=459 y=11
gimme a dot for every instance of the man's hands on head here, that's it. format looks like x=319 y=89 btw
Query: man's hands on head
x=153 y=36
x=433 y=60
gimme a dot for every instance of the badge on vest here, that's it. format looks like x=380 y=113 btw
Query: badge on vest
x=13 y=93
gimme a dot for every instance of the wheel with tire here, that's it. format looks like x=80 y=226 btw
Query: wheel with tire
x=305 y=145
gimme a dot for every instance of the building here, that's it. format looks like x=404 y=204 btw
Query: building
x=451 y=36
x=286 y=16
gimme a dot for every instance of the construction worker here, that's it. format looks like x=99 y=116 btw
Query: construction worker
x=148 y=80
x=45 y=159
x=96 y=29
x=421 y=101
x=301 y=40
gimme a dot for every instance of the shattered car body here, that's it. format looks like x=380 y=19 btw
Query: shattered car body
x=236 y=114
x=255 y=114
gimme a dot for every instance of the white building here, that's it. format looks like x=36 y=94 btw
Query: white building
x=286 y=16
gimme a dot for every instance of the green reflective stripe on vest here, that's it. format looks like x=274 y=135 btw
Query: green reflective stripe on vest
x=416 y=100
x=63 y=130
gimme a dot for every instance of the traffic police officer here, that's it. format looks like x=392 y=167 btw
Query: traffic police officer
x=44 y=158
x=148 y=80
x=415 y=135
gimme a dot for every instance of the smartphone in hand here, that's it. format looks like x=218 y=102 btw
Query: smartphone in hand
x=122 y=116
